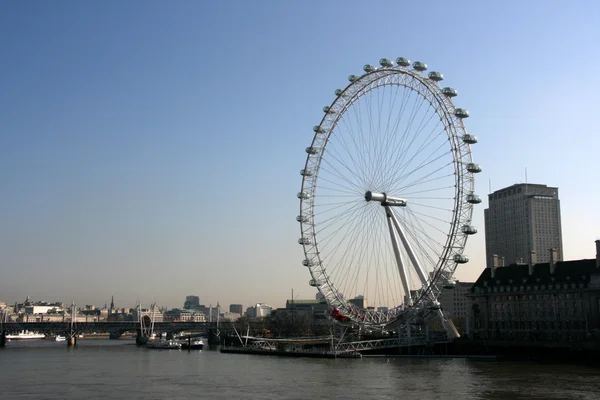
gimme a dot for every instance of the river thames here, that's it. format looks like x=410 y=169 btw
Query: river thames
x=105 y=369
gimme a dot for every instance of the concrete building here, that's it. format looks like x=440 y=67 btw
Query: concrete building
x=259 y=310
x=359 y=301
x=37 y=309
x=523 y=218
x=457 y=305
x=191 y=303
x=185 y=316
x=230 y=316
x=263 y=310
x=236 y=308
x=557 y=301
x=316 y=311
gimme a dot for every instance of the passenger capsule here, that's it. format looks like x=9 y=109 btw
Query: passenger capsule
x=312 y=283
x=461 y=259
x=473 y=199
x=474 y=168
x=469 y=139
x=449 y=284
x=311 y=150
x=304 y=240
x=353 y=78
x=338 y=92
x=436 y=76
x=369 y=68
x=305 y=172
x=434 y=305
x=420 y=66
x=328 y=110
x=449 y=92
x=469 y=229
x=302 y=218
x=461 y=113
x=307 y=263
x=319 y=129
x=404 y=62
x=303 y=195
x=386 y=62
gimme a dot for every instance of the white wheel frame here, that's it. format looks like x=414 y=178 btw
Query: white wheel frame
x=418 y=301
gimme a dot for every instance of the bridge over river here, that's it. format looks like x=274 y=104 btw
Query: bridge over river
x=114 y=328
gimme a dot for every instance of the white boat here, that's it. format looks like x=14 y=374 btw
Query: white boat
x=23 y=335
x=60 y=338
x=196 y=344
x=163 y=344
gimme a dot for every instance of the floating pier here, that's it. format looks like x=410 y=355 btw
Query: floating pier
x=309 y=354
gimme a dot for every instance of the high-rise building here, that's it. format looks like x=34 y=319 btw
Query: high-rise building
x=236 y=308
x=521 y=219
x=191 y=303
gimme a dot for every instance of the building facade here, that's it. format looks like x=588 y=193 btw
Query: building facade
x=259 y=310
x=548 y=302
x=236 y=308
x=360 y=302
x=523 y=218
x=177 y=315
x=230 y=316
x=192 y=303
x=457 y=305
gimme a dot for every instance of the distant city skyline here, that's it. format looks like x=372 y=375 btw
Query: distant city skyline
x=112 y=305
x=154 y=152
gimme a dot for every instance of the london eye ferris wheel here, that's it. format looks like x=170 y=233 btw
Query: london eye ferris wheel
x=387 y=195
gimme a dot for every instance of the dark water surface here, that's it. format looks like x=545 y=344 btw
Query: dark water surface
x=104 y=369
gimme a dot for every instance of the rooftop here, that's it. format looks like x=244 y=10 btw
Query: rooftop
x=305 y=302
x=518 y=274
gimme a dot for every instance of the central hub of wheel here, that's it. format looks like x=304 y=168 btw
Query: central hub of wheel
x=384 y=199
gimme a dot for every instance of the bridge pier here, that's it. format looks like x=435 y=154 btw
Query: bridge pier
x=140 y=339
x=214 y=336
x=72 y=341
x=2 y=339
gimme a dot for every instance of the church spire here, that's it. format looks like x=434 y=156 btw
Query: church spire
x=112 y=303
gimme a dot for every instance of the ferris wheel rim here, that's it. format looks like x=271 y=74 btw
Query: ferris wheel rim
x=462 y=211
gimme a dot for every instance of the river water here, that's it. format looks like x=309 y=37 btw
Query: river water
x=117 y=369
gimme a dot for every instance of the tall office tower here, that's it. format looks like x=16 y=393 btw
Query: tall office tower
x=520 y=219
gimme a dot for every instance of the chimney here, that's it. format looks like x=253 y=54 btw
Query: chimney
x=553 y=259
x=494 y=265
x=598 y=253
x=532 y=261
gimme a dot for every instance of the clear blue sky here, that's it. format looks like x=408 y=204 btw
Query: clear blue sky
x=151 y=150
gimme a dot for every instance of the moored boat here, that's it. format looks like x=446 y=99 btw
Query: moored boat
x=60 y=338
x=192 y=345
x=163 y=344
x=23 y=335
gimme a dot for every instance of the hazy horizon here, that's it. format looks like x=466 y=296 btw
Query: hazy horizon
x=151 y=150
